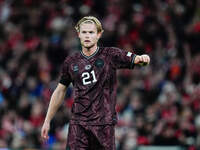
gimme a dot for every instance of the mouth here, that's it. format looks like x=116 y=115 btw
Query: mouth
x=87 y=41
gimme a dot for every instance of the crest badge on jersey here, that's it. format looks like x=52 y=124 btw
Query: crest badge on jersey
x=99 y=63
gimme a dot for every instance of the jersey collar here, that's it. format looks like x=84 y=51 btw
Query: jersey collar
x=88 y=57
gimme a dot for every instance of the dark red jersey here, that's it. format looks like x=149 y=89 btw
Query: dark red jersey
x=94 y=83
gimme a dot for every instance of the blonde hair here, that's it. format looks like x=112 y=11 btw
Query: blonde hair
x=89 y=19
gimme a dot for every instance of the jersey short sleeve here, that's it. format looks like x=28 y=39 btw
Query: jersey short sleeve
x=65 y=77
x=121 y=58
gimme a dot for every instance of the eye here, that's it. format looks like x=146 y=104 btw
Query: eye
x=83 y=32
x=91 y=32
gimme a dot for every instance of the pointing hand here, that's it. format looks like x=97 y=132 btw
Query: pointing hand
x=142 y=60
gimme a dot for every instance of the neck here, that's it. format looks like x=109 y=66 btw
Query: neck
x=89 y=51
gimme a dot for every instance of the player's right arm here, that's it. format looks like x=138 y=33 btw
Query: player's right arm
x=56 y=100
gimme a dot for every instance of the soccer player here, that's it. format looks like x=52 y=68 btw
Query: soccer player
x=92 y=71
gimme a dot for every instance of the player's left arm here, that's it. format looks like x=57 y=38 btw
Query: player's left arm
x=142 y=60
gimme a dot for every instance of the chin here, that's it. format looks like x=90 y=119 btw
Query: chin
x=88 y=46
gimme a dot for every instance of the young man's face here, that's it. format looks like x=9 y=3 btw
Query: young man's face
x=88 y=35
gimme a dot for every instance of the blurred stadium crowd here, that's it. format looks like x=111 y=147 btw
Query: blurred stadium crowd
x=157 y=105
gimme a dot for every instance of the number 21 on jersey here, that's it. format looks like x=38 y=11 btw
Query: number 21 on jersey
x=86 y=77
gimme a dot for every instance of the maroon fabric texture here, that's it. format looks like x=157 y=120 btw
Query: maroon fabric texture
x=94 y=84
x=89 y=137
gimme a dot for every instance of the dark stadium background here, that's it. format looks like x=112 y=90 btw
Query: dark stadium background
x=158 y=105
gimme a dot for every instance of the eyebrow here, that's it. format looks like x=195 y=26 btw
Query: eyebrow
x=87 y=31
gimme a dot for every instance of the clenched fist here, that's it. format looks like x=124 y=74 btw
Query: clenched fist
x=142 y=60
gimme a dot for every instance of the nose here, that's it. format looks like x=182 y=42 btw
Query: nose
x=87 y=35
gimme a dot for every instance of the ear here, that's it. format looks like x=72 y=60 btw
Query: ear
x=78 y=33
x=99 y=35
